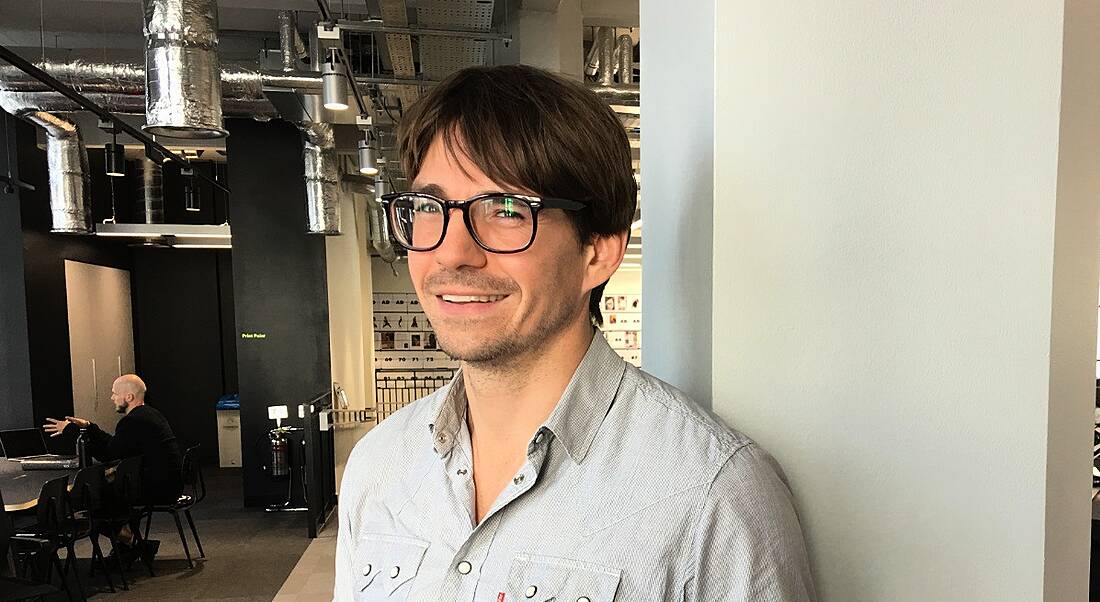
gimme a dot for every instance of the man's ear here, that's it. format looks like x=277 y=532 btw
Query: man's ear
x=605 y=253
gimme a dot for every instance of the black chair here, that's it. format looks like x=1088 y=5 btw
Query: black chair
x=14 y=588
x=194 y=491
x=55 y=524
x=125 y=479
x=87 y=498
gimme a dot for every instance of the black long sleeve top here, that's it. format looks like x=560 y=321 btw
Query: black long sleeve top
x=143 y=432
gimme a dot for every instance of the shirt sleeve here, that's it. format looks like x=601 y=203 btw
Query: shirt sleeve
x=748 y=543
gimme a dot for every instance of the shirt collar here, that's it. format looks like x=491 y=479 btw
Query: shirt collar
x=574 y=421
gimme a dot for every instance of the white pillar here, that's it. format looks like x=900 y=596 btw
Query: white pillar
x=905 y=270
x=677 y=154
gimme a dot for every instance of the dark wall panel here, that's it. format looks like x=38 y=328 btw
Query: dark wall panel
x=279 y=289
x=16 y=407
x=178 y=325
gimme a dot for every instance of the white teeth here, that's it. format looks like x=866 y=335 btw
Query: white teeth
x=472 y=298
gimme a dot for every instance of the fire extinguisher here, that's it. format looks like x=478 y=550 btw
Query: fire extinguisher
x=280 y=454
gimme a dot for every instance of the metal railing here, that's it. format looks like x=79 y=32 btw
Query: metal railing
x=395 y=388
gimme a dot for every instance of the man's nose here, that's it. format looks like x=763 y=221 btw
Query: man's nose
x=458 y=248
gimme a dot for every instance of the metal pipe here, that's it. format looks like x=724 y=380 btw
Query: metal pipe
x=70 y=182
x=290 y=41
x=617 y=95
x=150 y=198
x=625 y=52
x=592 y=62
x=238 y=81
x=379 y=27
x=606 y=38
x=322 y=177
x=182 y=84
x=122 y=104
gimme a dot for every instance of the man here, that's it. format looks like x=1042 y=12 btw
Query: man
x=142 y=431
x=548 y=469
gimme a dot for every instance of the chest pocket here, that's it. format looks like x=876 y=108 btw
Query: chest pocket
x=545 y=578
x=385 y=566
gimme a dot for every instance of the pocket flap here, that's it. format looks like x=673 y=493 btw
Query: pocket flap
x=543 y=578
x=387 y=561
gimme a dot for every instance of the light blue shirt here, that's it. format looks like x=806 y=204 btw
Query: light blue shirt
x=630 y=492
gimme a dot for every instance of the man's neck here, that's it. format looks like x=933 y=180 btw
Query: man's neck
x=509 y=405
x=135 y=405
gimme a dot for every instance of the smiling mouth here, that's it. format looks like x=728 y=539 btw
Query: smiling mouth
x=472 y=298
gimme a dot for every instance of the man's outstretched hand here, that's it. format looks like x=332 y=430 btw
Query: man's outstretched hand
x=55 y=427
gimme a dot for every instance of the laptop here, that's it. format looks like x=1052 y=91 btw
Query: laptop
x=28 y=447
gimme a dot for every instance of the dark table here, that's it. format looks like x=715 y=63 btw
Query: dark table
x=21 y=487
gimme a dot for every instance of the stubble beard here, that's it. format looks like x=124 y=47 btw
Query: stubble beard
x=508 y=350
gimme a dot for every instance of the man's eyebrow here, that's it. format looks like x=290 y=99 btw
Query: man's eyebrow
x=432 y=189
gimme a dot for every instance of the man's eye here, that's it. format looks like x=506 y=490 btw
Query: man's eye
x=509 y=209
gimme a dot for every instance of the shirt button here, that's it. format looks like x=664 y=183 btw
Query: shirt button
x=538 y=438
x=531 y=591
x=366 y=570
x=461 y=471
x=583 y=599
x=464 y=567
x=394 y=572
x=518 y=480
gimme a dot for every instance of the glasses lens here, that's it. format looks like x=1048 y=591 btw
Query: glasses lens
x=417 y=221
x=503 y=223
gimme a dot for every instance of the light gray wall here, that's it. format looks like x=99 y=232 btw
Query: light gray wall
x=677 y=115
x=905 y=278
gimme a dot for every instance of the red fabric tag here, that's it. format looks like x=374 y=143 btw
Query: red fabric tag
x=500 y=596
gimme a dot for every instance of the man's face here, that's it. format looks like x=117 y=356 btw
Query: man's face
x=120 y=400
x=532 y=296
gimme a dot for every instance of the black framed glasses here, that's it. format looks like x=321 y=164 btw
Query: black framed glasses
x=498 y=222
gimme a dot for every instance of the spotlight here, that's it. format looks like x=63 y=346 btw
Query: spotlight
x=368 y=162
x=335 y=84
x=380 y=187
x=191 y=201
x=116 y=159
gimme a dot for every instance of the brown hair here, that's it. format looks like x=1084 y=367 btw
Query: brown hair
x=529 y=128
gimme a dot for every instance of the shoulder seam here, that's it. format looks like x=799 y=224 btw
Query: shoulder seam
x=660 y=396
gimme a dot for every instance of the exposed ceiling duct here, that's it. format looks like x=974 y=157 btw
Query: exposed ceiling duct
x=290 y=41
x=70 y=188
x=625 y=53
x=183 y=88
x=322 y=177
x=149 y=207
x=372 y=188
x=605 y=38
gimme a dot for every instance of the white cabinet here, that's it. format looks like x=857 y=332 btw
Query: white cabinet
x=229 y=438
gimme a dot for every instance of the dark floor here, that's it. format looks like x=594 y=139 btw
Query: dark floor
x=249 y=553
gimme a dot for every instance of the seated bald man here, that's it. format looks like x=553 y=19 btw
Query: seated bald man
x=142 y=431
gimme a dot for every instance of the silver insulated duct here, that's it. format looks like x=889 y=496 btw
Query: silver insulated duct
x=150 y=194
x=182 y=74
x=625 y=53
x=322 y=178
x=605 y=37
x=70 y=185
